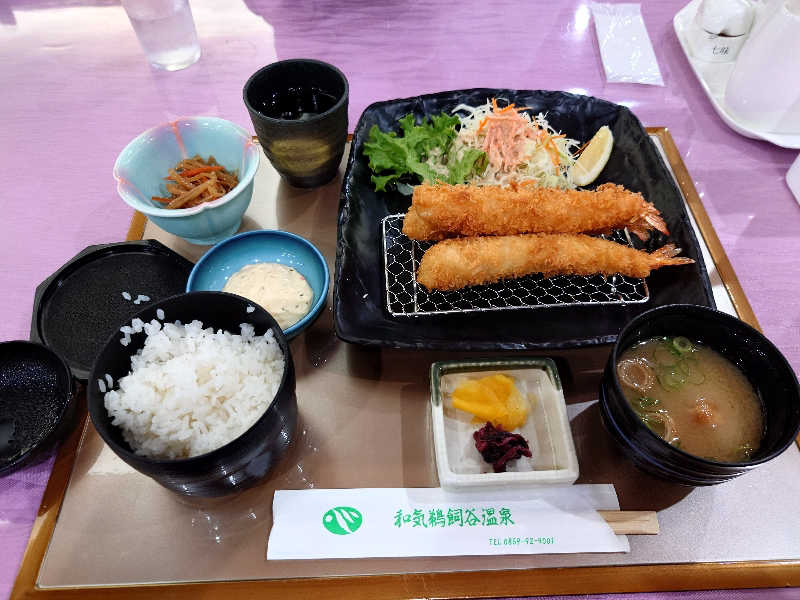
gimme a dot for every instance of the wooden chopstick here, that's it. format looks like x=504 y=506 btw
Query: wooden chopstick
x=631 y=522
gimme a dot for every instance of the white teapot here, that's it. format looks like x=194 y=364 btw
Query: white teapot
x=764 y=87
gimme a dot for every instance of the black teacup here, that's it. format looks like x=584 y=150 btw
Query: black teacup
x=299 y=111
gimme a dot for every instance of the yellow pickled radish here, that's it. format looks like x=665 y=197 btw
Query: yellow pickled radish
x=593 y=158
x=494 y=398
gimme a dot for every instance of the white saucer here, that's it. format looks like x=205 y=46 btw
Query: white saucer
x=714 y=77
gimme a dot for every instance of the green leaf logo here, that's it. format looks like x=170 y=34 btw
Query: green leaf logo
x=342 y=520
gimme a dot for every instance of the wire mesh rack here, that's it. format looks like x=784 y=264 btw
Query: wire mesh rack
x=404 y=297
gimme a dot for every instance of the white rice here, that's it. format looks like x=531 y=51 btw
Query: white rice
x=160 y=314
x=192 y=390
x=250 y=308
x=102 y=385
x=110 y=380
x=126 y=295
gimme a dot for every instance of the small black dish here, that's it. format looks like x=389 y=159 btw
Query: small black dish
x=81 y=304
x=237 y=465
x=299 y=111
x=762 y=363
x=37 y=401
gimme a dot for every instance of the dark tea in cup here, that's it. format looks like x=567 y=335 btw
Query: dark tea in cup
x=299 y=111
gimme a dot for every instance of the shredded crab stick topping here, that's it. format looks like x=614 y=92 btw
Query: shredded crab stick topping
x=505 y=131
x=519 y=148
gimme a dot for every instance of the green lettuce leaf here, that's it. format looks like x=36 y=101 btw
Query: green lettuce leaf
x=392 y=157
x=472 y=161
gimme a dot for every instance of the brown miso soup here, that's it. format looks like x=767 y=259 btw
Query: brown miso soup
x=692 y=397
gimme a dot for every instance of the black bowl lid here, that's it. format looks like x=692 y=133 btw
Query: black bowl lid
x=78 y=307
x=36 y=393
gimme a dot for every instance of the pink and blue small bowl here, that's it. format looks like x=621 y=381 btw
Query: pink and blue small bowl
x=142 y=165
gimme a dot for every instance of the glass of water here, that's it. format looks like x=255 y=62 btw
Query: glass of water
x=165 y=29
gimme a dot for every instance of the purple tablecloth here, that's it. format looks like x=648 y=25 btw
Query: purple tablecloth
x=76 y=89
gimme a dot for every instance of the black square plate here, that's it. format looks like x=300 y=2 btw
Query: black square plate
x=359 y=304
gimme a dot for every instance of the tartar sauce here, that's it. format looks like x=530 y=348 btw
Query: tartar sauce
x=280 y=290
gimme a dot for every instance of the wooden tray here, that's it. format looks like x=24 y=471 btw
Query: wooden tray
x=403 y=377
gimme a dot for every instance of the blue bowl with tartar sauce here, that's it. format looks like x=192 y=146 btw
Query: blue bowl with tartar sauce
x=267 y=248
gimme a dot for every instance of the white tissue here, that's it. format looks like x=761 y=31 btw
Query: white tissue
x=625 y=46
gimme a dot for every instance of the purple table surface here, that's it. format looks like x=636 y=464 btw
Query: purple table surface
x=77 y=89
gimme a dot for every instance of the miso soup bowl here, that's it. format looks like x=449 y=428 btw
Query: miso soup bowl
x=241 y=462
x=761 y=362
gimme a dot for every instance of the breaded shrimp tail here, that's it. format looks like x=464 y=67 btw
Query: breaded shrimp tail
x=457 y=263
x=442 y=211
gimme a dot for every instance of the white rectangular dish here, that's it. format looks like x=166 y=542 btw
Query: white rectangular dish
x=547 y=430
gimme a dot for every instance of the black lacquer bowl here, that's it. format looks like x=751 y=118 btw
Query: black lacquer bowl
x=762 y=363
x=359 y=297
x=240 y=463
x=38 y=404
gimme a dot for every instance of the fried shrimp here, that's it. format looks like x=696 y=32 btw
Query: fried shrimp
x=457 y=263
x=442 y=211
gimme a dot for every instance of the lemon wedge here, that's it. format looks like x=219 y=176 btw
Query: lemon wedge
x=593 y=158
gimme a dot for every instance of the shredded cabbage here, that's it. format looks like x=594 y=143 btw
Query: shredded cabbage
x=537 y=156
